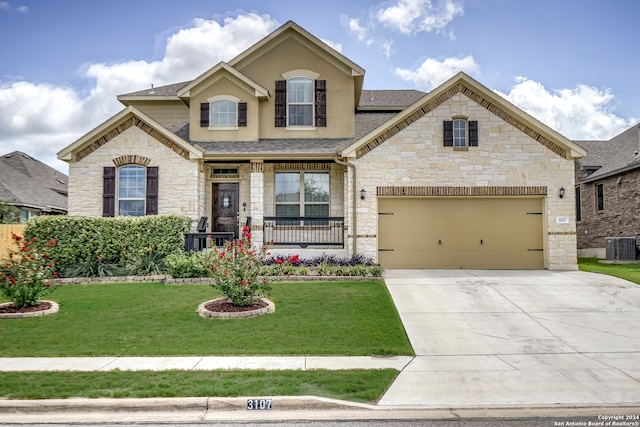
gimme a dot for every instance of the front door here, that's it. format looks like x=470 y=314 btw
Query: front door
x=226 y=207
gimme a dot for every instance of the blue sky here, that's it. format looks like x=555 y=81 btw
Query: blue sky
x=570 y=63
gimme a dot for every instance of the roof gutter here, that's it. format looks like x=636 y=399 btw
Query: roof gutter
x=353 y=200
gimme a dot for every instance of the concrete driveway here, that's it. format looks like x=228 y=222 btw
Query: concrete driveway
x=516 y=338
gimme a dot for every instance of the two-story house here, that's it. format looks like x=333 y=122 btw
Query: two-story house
x=285 y=134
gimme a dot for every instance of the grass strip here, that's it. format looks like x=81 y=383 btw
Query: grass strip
x=365 y=386
x=629 y=272
x=355 y=318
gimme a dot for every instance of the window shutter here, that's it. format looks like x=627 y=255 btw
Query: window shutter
x=204 y=114
x=473 y=133
x=448 y=133
x=242 y=114
x=321 y=103
x=109 y=191
x=281 y=103
x=152 y=191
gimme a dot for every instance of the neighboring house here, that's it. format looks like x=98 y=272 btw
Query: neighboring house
x=285 y=135
x=31 y=186
x=608 y=191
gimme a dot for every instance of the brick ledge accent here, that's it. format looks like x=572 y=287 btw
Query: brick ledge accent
x=460 y=191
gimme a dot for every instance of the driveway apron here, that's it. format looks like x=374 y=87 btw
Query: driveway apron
x=494 y=337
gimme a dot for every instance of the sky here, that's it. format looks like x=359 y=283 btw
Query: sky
x=572 y=64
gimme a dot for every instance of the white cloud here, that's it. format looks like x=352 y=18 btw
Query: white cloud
x=22 y=9
x=361 y=32
x=584 y=112
x=414 y=16
x=387 y=48
x=432 y=72
x=41 y=119
x=5 y=5
x=334 y=45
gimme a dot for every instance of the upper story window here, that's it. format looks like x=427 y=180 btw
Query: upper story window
x=600 y=197
x=132 y=190
x=301 y=100
x=223 y=113
x=578 y=204
x=460 y=133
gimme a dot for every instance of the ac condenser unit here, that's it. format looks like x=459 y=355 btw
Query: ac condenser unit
x=621 y=248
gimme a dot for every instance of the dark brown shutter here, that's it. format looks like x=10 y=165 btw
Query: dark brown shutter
x=242 y=114
x=473 y=133
x=281 y=103
x=152 y=191
x=204 y=114
x=109 y=191
x=321 y=103
x=448 y=133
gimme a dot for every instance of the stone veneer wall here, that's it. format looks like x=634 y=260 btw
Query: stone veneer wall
x=180 y=180
x=505 y=157
x=619 y=217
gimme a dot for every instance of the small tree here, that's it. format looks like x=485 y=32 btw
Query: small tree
x=25 y=276
x=9 y=214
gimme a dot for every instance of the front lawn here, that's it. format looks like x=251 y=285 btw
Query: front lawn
x=629 y=272
x=153 y=319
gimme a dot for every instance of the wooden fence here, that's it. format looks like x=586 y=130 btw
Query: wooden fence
x=6 y=241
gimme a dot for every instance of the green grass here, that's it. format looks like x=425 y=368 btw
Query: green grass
x=356 y=385
x=629 y=272
x=152 y=319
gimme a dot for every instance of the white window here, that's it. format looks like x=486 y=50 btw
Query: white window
x=223 y=113
x=300 y=101
x=302 y=194
x=459 y=133
x=132 y=190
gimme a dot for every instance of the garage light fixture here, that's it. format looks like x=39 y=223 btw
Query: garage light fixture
x=561 y=194
x=363 y=193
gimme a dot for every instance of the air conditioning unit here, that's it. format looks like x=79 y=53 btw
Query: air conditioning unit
x=621 y=248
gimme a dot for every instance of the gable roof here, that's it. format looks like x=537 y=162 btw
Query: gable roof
x=462 y=83
x=130 y=116
x=606 y=158
x=258 y=90
x=27 y=182
x=164 y=93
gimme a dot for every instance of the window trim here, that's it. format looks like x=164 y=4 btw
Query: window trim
x=310 y=104
x=224 y=98
x=118 y=198
x=302 y=203
x=451 y=133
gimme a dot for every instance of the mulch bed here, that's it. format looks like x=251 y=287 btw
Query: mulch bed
x=223 y=306
x=11 y=309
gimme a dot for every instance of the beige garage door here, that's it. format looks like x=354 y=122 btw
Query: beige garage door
x=472 y=233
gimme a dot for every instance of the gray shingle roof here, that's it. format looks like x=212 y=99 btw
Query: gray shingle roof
x=613 y=156
x=389 y=98
x=168 y=90
x=25 y=181
x=365 y=123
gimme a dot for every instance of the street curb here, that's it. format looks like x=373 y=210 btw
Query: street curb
x=222 y=405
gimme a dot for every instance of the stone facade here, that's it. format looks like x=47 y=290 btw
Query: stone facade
x=180 y=183
x=617 y=219
x=505 y=157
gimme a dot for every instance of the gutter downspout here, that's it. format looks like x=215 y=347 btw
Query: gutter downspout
x=353 y=199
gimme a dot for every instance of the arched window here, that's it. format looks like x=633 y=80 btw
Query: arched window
x=223 y=113
x=132 y=190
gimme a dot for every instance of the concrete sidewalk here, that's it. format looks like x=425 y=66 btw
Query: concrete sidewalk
x=196 y=363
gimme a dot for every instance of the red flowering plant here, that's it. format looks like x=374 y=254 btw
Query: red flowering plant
x=236 y=268
x=26 y=276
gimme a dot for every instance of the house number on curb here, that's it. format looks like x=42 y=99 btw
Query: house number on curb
x=258 y=404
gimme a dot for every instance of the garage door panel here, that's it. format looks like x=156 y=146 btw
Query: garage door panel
x=461 y=233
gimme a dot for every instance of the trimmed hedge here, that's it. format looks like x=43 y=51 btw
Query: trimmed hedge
x=116 y=240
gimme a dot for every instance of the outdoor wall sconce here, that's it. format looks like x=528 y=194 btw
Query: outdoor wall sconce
x=244 y=206
x=363 y=193
x=561 y=194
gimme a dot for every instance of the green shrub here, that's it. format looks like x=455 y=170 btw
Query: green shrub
x=182 y=265
x=94 y=268
x=109 y=240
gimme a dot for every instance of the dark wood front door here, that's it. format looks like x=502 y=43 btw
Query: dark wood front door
x=226 y=207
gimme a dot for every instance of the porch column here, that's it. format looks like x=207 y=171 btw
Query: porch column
x=257 y=203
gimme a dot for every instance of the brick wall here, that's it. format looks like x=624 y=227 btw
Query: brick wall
x=619 y=217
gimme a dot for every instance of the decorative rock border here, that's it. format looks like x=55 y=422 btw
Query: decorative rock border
x=53 y=309
x=204 y=312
